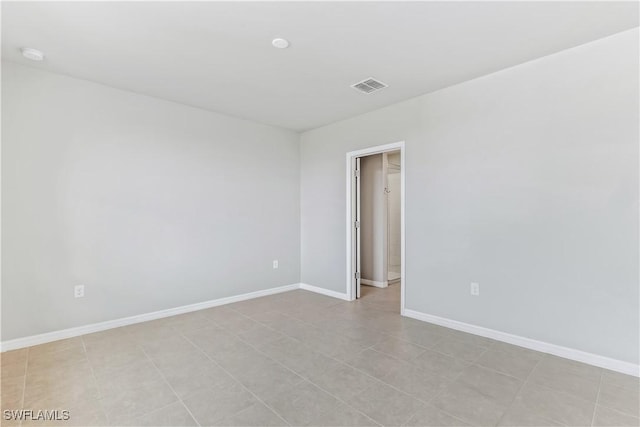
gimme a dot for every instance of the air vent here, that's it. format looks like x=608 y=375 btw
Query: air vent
x=369 y=85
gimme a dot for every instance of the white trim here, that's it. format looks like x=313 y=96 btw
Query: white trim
x=545 y=347
x=324 y=291
x=349 y=218
x=116 y=323
x=374 y=283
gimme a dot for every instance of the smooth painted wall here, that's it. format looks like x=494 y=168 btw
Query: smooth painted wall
x=373 y=219
x=394 y=216
x=148 y=203
x=525 y=180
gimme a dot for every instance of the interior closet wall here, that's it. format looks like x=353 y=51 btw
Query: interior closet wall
x=372 y=220
x=393 y=216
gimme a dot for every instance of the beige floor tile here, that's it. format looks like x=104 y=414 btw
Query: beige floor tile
x=173 y=415
x=43 y=360
x=424 y=337
x=86 y=413
x=374 y=363
x=15 y=369
x=502 y=388
x=211 y=340
x=267 y=316
x=211 y=406
x=478 y=396
x=606 y=417
x=625 y=400
x=238 y=356
x=257 y=415
x=267 y=378
x=567 y=376
x=386 y=405
x=278 y=358
x=296 y=329
x=336 y=346
x=561 y=407
x=76 y=392
x=239 y=324
x=516 y=350
x=108 y=360
x=13 y=356
x=222 y=315
x=429 y=415
x=136 y=401
x=71 y=383
x=361 y=335
x=296 y=356
x=168 y=346
x=135 y=375
x=55 y=346
x=150 y=331
x=109 y=338
x=191 y=374
x=58 y=376
x=260 y=335
x=460 y=349
x=190 y=321
x=399 y=349
x=520 y=415
x=12 y=390
x=306 y=404
x=419 y=383
x=340 y=380
x=620 y=380
x=519 y=366
x=440 y=363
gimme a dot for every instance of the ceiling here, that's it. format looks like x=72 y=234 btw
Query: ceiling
x=218 y=55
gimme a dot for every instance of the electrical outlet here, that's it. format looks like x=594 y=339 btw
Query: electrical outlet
x=275 y=264
x=78 y=291
x=475 y=288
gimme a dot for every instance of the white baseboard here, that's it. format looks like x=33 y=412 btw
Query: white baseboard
x=557 y=350
x=374 y=283
x=110 y=324
x=323 y=291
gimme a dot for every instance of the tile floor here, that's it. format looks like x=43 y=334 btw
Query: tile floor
x=300 y=358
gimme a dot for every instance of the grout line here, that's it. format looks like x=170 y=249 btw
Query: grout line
x=170 y=386
x=305 y=378
x=340 y=362
x=24 y=385
x=235 y=379
x=453 y=380
x=296 y=373
x=95 y=379
x=314 y=325
x=595 y=408
x=515 y=396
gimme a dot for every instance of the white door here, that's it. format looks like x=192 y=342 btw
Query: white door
x=357 y=228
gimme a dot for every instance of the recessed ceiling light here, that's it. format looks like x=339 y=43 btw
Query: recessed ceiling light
x=32 y=54
x=280 y=43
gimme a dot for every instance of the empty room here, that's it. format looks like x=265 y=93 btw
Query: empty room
x=320 y=213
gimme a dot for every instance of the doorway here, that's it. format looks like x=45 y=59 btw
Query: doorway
x=376 y=238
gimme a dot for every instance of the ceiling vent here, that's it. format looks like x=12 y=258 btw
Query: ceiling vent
x=369 y=85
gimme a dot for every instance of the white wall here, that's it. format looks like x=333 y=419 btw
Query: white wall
x=525 y=181
x=372 y=219
x=394 y=217
x=148 y=203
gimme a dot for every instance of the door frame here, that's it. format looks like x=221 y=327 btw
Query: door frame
x=350 y=168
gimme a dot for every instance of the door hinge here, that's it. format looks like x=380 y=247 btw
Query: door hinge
x=357 y=275
x=356 y=224
x=357 y=173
